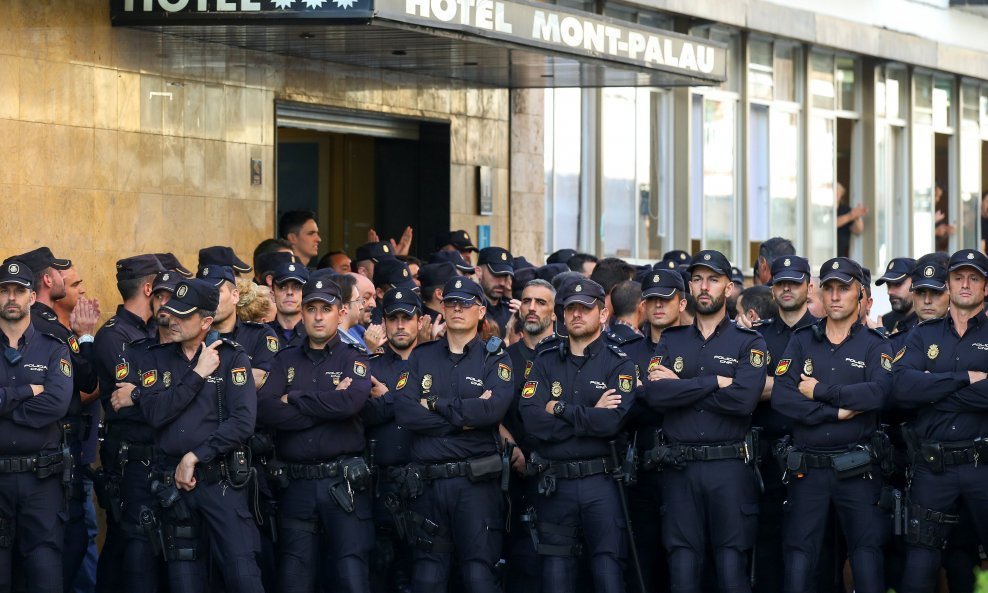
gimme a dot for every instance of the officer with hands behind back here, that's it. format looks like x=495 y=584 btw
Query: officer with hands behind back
x=832 y=381
x=458 y=390
x=707 y=380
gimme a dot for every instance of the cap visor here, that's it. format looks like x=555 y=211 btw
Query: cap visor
x=320 y=296
x=403 y=308
x=843 y=278
x=892 y=279
x=241 y=267
x=661 y=292
x=24 y=283
x=928 y=283
x=459 y=296
x=968 y=264
x=583 y=299
x=179 y=309
x=501 y=269
x=283 y=279
x=61 y=264
x=710 y=267
x=788 y=277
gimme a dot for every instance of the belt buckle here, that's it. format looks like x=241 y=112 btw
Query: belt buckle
x=451 y=469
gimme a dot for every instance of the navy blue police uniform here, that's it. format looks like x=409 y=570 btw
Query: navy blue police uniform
x=947 y=436
x=320 y=439
x=211 y=417
x=711 y=497
x=389 y=447
x=77 y=426
x=127 y=561
x=456 y=462
x=832 y=460
x=33 y=464
x=773 y=426
x=580 y=504
x=500 y=263
x=285 y=272
x=897 y=272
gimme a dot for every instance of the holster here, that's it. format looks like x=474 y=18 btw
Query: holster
x=890 y=501
x=357 y=473
x=107 y=488
x=152 y=530
x=852 y=464
x=238 y=469
x=932 y=456
x=928 y=528
x=884 y=453
x=408 y=480
x=341 y=492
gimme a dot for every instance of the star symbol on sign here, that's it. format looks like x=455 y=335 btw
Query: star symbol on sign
x=314 y=3
x=283 y=3
x=345 y=4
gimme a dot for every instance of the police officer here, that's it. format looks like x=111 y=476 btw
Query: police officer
x=200 y=400
x=538 y=301
x=390 y=443
x=127 y=561
x=77 y=424
x=716 y=377
x=457 y=393
x=36 y=390
x=574 y=405
x=941 y=376
x=897 y=278
x=313 y=398
x=928 y=291
x=286 y=286
x=495 y=269
x=832 y=381
x=219 y=266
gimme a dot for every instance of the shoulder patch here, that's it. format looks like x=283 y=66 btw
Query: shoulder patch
x=783 y=366
x=503 y=371
x=886 y=362
x=625 y=383
x=359 y=368
x=528 y=368
x=73 y=345
x=272 y=343
x=54 y=337
x=654 y=363
x=899 y=355
x=529 y=389
x=402 y=381
x=65 y=366
x=757 y=358
x=149 y=378
x=239 y=376
x=121 y=371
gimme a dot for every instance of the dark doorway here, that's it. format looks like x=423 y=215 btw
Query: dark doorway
x=356 y=182
x=944 y=218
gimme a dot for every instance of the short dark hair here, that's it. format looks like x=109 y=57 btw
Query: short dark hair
x=205 y=313
x=40 y=274
x=128 y=288
x=576 y=262
x=775 y=247
x=611 y=271
x=326 y=260
x=410 y=260
x=625 y=297
x=268 y=246
x=292 y=221
x=347 y=283
x=760 y=299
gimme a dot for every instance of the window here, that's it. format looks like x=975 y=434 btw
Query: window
x=563 y=159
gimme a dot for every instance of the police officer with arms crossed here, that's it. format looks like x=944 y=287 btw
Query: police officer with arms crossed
x=573 y=406
x=35 y=390
x=457 y=392
x=833 y=380
x=286 y=286
x=313 y=398
x=941 y=376
x=200 y=400
x=402 y=310
x=716 y=377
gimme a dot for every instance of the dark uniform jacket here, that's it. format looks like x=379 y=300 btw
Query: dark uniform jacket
x=463 y=425
x=776 y=334
x=855 y=375
x=286 y=338
x=28 y=422
x=258 y=340
x=583 y=431
x=184 y=408
x=697 y=411
x=931 y=377
x=393 y=442
x=319 y=423
x=115 y=362
x=45 y=320
x=522 y=360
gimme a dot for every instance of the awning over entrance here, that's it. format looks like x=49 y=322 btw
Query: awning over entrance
x=498 y=43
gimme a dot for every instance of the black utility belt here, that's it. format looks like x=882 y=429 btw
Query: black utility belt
x=712 y=452
x=77 y=426
x=479 y=468
x=846 y=464
x=938 y=455
x=232 y=467
x=580 y=468
x=43 y=465
x=342 y=467
x=139 y=452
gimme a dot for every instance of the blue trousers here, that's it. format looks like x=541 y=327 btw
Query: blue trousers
x=33 y=511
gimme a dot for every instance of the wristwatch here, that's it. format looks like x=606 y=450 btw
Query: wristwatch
x=558 y=409
x=85 y=338
x=135 y=395
x=431 y=401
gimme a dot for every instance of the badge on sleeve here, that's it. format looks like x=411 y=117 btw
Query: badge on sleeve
x=783 y=367
x=74 y=345
x=625 y=382
x=272 y=343
x=899 y=354
x=65 y=366
x=654 y=363
x=503 y=371
x=402 y=380
x=121 y=371
x=359 y=369
x=529 y=389
x=239 y=375
x=149 y=378
x=757 y=358
x=886 y=362
x=528 y=368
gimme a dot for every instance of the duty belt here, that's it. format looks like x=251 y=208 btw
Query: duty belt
x=818 y=460
x=42 y=465
x=313 y=471
x=210 y=473
x=963 y=453
x=138 y=452
x=439 y=471
x=580 y=468
x=712 y=452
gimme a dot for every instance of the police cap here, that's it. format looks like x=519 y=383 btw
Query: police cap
x=582 y=290
x=220 y=255
x=664 y=284
x=969 y=257
x=138 y=266
x=170 y=262
x=402 y=299
x=166 y=280
x=393 y=272
x=498 y=260
x=452 y=257
x=897 y=271
x=790 y=268
x=14 y=271
x=322 y=289
x=929 y=273
x=374 y=252
x=715 y=260
x=459 y=239
x=41 y=259
x=438 y=274
x=842 y=269
x=560 y=256
x=290 y=271
x=192 y=294
x=269 y=262
x=463 y=289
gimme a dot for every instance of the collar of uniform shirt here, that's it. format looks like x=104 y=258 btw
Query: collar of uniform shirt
x=975 y=321
x=592 y=348
x=25 y=337
x=628 y=325
x=720 y=326
x=320 y=354
x=466 y=347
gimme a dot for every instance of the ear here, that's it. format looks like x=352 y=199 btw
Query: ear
x=147 y=289
x=682 y=305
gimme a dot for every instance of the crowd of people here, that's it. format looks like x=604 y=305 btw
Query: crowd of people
x=473 y=422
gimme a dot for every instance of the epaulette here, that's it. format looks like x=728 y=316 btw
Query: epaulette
x=232 y=344
x=619 y=340
x=54 y=337
x=804 y=327
x=111 y=322
x=676 y=328
x=358 y=346
x=881 y=331
x=927 y=321
x=254 y=324
x=48 y=315
x=747 y=329
x=762 y=322
x=617 y=350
